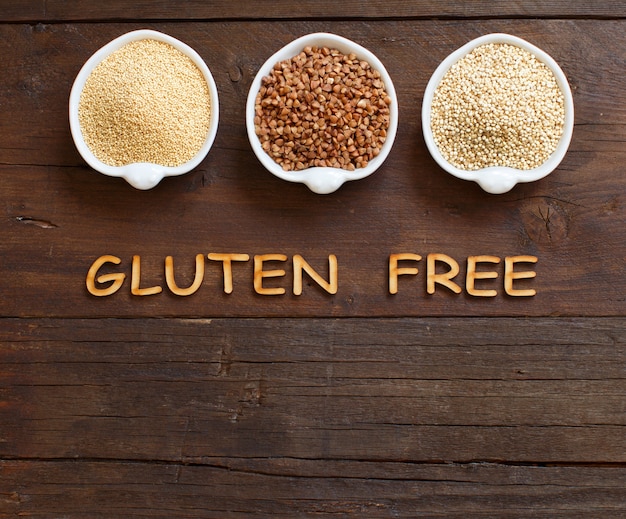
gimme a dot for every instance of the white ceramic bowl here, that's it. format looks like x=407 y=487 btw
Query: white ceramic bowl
x=141 y=175
x=322 y=180
x=498 y=179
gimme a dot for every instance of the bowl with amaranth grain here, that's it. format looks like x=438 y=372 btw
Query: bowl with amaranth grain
x=498 y=111
x=144 y=107
x=322 y=111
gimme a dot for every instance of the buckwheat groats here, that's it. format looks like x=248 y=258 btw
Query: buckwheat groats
x=322 y=108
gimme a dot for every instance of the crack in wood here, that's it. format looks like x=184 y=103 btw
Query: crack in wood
x=44 y=224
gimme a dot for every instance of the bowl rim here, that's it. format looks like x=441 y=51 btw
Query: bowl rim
x=137 y=174
x=322 y=180
x=500 y=179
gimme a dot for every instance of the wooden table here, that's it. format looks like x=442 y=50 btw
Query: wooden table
x=355 y=404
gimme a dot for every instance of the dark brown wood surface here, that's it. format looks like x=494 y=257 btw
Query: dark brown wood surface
x=358 y=404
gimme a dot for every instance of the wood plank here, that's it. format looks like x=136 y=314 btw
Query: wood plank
x=58 y=10
x=304 y=488
x=48 y=245
x=257 y=418
x=437 y=390
x=60 y=215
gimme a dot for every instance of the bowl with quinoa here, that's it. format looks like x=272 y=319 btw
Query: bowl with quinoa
x=144 y=107
x=498 y=111
x=322 y=111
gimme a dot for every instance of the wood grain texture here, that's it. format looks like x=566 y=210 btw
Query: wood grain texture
x=360 y=417
x=60 y=215
x=59 y=10
x=355 y=405
x=277 y=488
x=316 y=388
